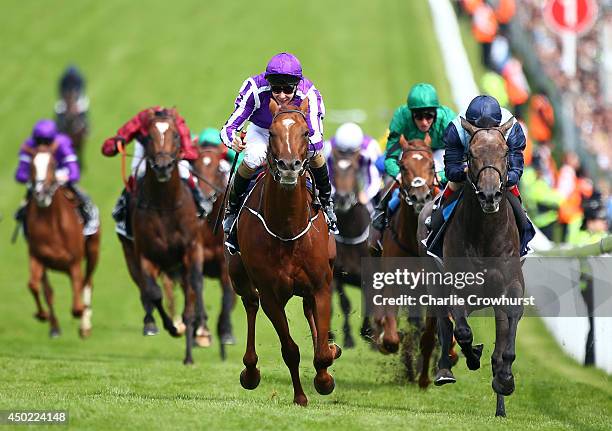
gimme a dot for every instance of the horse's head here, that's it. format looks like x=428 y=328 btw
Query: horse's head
x=418 y=174
x=163 y=143
x=288 y=147
x=42 y=173
x=214 y=168
x=487 y=163
x=346 y=184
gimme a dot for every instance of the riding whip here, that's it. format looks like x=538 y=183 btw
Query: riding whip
x=232 y=170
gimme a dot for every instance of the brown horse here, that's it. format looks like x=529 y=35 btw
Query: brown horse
x=167 y=232
x=73 y=122
x=484 y=226
x=351 y=241
x=417 y=187
x=212 y=170
x=55 y=241
x=286 y=250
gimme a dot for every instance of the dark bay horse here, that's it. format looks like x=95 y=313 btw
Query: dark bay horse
x=484 y=227
x=73 y=122
x=417 y=187
x=167 y=233
x=286 y=250
x=55 y=241
x=351 y=241
x=212 y=170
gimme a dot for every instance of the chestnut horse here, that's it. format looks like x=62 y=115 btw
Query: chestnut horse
x=55 y=241
x=286 y=250
x=351 y=241
x=484 y=226
x=417 y=187
x=212 y=171
x=167 y=232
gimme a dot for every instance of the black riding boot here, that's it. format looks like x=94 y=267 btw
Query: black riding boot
x=88 y=211
x=234 y=202
x=321 y=178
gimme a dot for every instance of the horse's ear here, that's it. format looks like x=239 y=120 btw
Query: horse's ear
x=304 y=106
x=506 y=126
x=274 y=107
x=471 y=129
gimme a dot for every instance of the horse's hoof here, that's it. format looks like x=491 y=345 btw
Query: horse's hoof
x=337 y=351
x=443 y=377
x=324 y=383
x=180 y=327
x=84 y=333
x=172 y=330
x=249 y=379
x=503 y=387
x=188 y=361
x=55 y=333
x=227 y=339
x=77 y=312
x=349 y=343
x=474 y=363
x=203 y=338
x=300 y=400
x=150 y=329
x=43 y=316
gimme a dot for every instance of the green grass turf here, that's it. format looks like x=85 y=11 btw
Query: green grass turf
x=194 y=55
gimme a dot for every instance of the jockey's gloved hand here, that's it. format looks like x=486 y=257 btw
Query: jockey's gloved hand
x=328 y=208
x=109 y=148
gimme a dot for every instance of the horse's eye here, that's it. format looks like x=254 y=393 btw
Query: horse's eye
x=176 y=135
x=306 y=133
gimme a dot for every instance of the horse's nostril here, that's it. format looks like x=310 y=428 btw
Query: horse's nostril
x=296 y=165
x=282 y=164
x=498 y=194
x=413 y=197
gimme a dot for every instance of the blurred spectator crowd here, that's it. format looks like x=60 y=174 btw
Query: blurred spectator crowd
x=559 y=194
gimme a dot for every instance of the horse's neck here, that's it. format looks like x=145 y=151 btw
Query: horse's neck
x=354 y=221
x=158 y=192
x=478 y=224
x=285 y=209
x=407 y=225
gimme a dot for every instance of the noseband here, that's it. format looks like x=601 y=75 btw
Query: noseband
x=470 y=157
x=273 y=161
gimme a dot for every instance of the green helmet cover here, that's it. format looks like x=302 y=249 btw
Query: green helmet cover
x=423 y=96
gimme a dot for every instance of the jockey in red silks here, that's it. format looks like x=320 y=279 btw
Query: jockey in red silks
x=67 y=172
x=136 y=129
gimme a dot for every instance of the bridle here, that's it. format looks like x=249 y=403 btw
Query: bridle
x=350 y=198
x=273 y=161
x=217 y=191
x=502 y=181
x=172 y=155
x=416 y=181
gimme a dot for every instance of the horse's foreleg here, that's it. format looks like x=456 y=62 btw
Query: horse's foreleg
x=324 y=352
x=36 y=273
x=345 y=304
x=445 y=334
x=151 y=295
x=203 y=336
x=189 y=319
x=76 y=279
x=290 y=351
x=427 y=344
x=501 y=336
x=228 y=299
x=464 y=336
x=55 y=329
x=503 y=382
x=92 y=248
x=389 y=339
x=250 y=376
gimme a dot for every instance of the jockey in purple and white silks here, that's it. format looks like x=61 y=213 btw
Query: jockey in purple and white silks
x=67 y=171
x=349 y=138
x=283 y=80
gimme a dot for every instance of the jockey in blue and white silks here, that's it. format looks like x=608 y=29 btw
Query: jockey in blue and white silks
x=283 y=80
x=349 y=138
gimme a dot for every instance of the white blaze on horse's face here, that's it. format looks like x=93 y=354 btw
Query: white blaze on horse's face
x=206 y=160
x=417 y=156
x=344 y=164
x=161 y=128
x=288 y=122
x=41 y=164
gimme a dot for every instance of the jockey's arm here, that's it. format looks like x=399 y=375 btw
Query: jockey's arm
x=516 y=142
x=393 y=149
x=22 y=175
x=244 y=107
x=370 y=156
x=125 y=134
x=67 y=162
x=189 y=151
x=454 y=166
